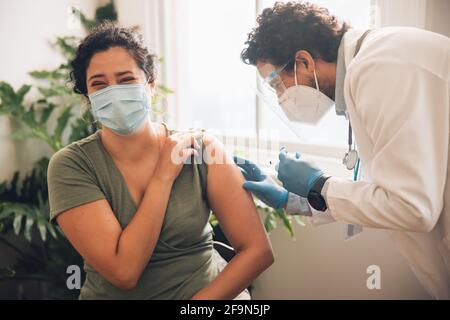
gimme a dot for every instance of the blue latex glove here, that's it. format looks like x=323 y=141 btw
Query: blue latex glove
x=298 y=176
x=262 y=185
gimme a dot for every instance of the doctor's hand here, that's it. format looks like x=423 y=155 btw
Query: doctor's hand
x=298 y=176
x=262 y=185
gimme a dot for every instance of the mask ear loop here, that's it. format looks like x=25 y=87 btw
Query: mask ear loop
x=152 y=109
x=315 y=79
x=315 y=76
x=295 y=72
x=147 y=81
x=145 y=84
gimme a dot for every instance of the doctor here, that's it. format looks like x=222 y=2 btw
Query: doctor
x=392 y=84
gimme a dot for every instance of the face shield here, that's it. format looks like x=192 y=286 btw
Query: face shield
x=271 y=92
x=299 y=103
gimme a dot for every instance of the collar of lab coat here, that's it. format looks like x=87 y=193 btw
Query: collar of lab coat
x=345 y=55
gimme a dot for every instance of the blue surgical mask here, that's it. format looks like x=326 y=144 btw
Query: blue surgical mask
x=123 y=107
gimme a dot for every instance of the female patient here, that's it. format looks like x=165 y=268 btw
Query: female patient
x=128 y=204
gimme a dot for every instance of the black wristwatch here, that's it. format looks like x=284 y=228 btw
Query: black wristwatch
x=315 y=197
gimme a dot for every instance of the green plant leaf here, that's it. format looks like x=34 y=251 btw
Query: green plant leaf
x=46 y=112
x=106 y=12
x=269 y=223
x=52 y=231
x=299 y=220
x=22 y=92
x=62 y=121
x=10 y=102
x=49 y=75
x=88 y=24
x=7 y=272
x=41 y=74
x=42 y=229
x=6 y=212
x=67 y=46
x=6 y=92
x=48 y=92
x=29 y=117
x=22 y=135
x=17 y=224
x=28 y=227
x=213 y=220
x=281 y=214
x=288 y=225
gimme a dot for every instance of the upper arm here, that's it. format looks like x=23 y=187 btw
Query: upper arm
x=79 y=207
x=71 y=182
x=94 y=231
x=232 y=205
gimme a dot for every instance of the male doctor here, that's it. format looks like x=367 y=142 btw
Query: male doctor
x=392 y=84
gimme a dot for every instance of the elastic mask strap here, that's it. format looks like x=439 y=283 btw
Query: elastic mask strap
x=315 y=79
x=295 y=72
x=146 y=82
x=295 y=76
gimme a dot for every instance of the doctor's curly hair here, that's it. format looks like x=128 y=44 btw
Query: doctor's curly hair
x=286 y=28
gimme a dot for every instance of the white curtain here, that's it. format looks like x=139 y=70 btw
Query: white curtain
x=146 y=15
x=432 y=15
x=158 y=22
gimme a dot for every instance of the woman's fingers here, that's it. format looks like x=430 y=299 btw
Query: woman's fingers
x=186 y=153
x=186 y=145
x=188 y=139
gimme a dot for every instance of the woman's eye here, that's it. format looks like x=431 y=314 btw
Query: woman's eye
x=98 y=83
x=127 y=79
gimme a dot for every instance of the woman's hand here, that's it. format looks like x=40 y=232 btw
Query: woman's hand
x=177 y=149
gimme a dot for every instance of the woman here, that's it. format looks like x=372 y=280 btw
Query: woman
x=128 y=202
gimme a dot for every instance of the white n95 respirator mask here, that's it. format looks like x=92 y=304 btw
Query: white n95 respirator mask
x=304 y=104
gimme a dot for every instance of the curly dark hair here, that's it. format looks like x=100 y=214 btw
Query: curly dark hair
x=289 y=27
x=103 y=37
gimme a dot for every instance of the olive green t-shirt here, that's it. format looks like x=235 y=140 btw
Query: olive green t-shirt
x=183 y=260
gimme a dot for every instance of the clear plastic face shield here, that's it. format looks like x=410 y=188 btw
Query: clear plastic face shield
x=270 y=89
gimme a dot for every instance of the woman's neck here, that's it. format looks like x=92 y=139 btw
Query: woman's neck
x=134 y=147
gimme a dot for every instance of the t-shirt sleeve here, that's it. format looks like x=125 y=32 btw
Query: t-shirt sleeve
x=71 y=182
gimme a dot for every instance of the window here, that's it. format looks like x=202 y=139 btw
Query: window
x=212 y=87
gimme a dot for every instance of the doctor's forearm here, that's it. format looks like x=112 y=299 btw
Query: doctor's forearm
x=370 y=205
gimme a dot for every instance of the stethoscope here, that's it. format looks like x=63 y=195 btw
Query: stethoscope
x=351 y=158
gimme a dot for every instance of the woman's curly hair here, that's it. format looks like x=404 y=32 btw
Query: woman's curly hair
x=289 y=27
x=103 y=37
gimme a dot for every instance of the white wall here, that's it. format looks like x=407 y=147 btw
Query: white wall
x=432 y=15
x=27 y=29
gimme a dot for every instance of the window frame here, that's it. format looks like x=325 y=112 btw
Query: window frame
x=167 y=23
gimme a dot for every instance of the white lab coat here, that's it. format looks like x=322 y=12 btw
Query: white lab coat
x=397 y=95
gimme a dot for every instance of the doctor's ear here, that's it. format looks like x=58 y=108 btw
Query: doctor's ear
x=304 y=59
